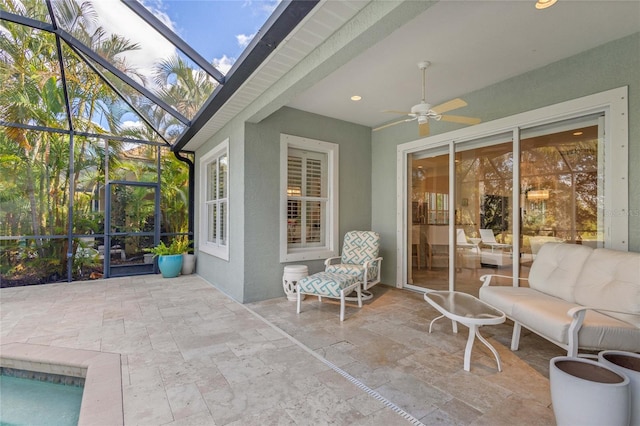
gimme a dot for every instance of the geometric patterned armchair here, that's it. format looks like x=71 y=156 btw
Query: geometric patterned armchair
x=359 y=258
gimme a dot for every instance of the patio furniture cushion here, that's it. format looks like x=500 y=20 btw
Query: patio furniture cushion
x=556 y=269
x=328 y=284
x=360 y=246
x=505 y=298
x=548 y=316
x=611 y=280
x=355 y=270
x=325 y=284
x=359 y=255
x=578 y=297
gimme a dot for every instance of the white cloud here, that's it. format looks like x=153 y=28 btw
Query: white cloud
x=156 y=7
x=244 y=40
x=263 y=6
x=117 y=18
x=132 y=125
x=223 y=64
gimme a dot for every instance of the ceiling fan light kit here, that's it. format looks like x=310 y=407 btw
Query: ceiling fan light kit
x=423 y=111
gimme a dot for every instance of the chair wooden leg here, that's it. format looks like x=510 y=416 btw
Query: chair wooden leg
x=299 y=299
x=341 y=305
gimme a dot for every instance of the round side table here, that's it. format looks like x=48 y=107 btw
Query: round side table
x=293 y=273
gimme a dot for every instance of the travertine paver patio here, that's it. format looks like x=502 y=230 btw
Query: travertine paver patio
x=191 y=355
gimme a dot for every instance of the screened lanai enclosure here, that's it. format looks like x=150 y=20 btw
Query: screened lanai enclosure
x=88 y=177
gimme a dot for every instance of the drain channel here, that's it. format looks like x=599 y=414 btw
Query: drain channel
x=340 y=371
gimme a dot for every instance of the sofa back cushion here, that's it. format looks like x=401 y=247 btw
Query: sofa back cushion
x=610 y=280
x=556 y=269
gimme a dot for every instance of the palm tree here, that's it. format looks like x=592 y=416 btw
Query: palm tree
x=181 y=86
x=35 y=165
x=29 y=95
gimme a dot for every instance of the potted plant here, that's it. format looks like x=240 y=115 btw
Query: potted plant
x=169 y=257
x=188 y=258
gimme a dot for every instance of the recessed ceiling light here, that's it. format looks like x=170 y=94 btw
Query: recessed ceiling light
x=356 y=98
x=577 y=133
x=543 y=4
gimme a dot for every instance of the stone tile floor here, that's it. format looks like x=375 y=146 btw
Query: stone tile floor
x=192 y=356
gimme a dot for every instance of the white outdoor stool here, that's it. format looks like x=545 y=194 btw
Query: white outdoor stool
x=329 y=284
x=292 y=274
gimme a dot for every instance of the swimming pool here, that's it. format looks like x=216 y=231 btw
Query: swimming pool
x=101 y=372
x=30 y=398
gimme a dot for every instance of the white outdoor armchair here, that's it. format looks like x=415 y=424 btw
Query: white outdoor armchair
x=360 y=259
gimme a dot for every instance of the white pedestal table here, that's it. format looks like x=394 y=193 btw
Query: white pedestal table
x=292 y=274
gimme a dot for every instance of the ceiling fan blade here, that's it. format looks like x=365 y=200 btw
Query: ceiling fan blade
x=460 y=119
x=394 y=111
x=449 y=105
x=393 y=124
x=423 y=129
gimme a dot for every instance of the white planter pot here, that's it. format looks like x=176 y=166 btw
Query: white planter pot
x=627 y=363
x=585 y=392
x=148 y=258
x=188 y=263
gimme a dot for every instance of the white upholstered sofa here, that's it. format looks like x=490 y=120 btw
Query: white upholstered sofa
x=577 y=297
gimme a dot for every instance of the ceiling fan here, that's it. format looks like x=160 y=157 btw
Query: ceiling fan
x=423 y=111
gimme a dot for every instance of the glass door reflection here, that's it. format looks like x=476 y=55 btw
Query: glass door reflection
x=428 y=265
x=483 y=211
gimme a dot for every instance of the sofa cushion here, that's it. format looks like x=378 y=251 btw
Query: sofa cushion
x=610 y=279
x=548 y=317
x=556 y=269
x=505 y=298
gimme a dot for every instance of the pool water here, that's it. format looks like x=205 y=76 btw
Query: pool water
x=34 y=402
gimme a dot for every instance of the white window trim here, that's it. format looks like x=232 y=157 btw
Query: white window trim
x=613 y=103
x=330 y=249
x=205 y=246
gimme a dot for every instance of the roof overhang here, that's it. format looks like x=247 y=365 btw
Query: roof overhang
x=287 y=16
x=328 y=37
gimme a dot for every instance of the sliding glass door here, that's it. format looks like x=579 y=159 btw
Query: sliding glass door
x=428 y=207
x=473 y=223
x=483 y=210
x=561 y=186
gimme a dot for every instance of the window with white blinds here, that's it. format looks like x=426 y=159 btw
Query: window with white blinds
x=309 y=196
x=214 y=218
x=306 y=198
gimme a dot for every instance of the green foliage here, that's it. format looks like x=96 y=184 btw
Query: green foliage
x=183 y=244
x=35 y=178
x=85 y=257
x=177 y=246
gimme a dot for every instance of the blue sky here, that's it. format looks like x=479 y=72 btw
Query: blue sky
x=218 y=29
x=215 y=28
